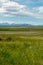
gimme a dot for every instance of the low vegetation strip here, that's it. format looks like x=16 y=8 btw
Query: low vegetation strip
x=21 y=32
x=19 y=49
x=21 y=28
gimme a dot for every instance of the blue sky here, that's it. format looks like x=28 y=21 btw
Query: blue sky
x=21 y=11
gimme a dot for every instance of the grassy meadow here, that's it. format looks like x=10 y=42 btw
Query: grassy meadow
x=21 y=49
x=31 y=28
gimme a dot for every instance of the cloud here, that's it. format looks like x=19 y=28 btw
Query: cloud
x=11 y=8
x=9 y=22
x=3 y=0
x=2 y=10
x=15 y=22
x=39 y=11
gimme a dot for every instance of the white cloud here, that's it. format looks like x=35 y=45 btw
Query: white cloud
x=10 y=8
x=9 y=22
x=2 y=10
x=15 y=22
x=38 y=12
x=40 y=9
x=4 y=1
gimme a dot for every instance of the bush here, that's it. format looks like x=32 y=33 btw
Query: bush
x=9 y=39
x=1 y=39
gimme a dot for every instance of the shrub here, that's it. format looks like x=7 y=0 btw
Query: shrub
x=1 y=39
x=9 y=39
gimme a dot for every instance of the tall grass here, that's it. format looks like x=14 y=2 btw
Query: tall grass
x=21 y=49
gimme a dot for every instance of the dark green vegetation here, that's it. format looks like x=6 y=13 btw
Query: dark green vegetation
x=21 y=49
x=21 y=28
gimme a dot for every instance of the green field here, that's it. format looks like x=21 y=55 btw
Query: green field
x=21 y=49
x=32 y=28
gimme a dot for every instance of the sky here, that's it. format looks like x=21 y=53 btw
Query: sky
x=21 y=12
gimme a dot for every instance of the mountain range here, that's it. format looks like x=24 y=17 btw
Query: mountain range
x=7 y=24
